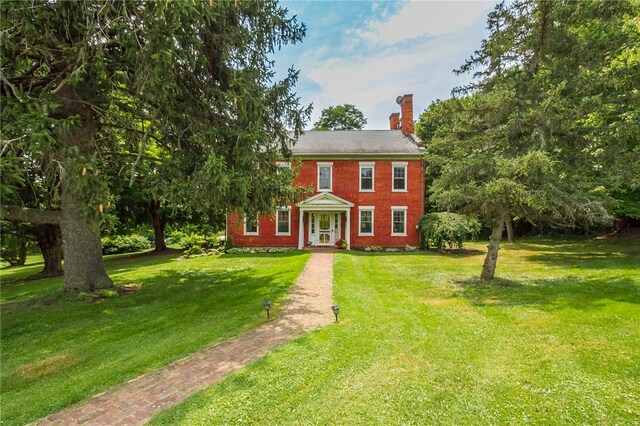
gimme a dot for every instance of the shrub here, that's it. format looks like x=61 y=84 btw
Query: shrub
x=228 y=244
x=342 y=244
x=125 y=244
x=254 y=250
x=410 y=248
x=373 y=248
x=391 y=249
x=451 y=229
x=194 y=250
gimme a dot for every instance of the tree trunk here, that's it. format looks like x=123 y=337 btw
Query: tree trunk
x=50 y=242
x=489 y=267
x=159 y=222
x=622 y=223
x=83 y=266
x=509 y=223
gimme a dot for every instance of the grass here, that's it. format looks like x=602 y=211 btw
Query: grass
x=554 y=340
x=57 y=349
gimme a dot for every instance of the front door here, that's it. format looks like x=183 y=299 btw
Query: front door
x=325 y=234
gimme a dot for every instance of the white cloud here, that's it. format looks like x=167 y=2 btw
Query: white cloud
x=409 y=51
x=373 y=82
x=425 y=18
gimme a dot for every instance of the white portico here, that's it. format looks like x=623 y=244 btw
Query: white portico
x=323 y=215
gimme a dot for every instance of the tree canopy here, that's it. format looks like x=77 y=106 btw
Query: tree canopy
x=550 y=127
x=88 y=87
x=341 y=117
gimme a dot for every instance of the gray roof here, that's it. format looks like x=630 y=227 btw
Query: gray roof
x=358 y=142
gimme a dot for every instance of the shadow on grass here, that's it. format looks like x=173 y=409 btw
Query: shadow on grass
x=588 y=260
x=431 y=252
x=175 y=312
x=550 y=294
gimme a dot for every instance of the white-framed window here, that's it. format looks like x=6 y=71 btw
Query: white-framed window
x=283 y=221
x=251 y=226
x=367 y=177
x=399 y=177
x=283 y=164
x=365 y=220
x=325 y=176
x=399 y=221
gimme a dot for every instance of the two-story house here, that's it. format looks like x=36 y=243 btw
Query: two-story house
x=369 y=190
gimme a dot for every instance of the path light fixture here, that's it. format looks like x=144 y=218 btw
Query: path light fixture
x=267 y=306
x=335 y=309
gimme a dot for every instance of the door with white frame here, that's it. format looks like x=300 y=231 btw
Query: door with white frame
x=325 y=228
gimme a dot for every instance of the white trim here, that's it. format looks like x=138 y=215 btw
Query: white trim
x=403 y=164
x=288 y=210
x=244 y=228
x=356 y=155
x=371 y=165
x=315 y=202
x=399 y=209
x=283 y=164
x=330 y=166
x=367 y=209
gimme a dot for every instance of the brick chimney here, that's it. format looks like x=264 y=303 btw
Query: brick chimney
x=406 y=108
x=394 y=121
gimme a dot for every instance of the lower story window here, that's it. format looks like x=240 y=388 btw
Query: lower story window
x=251 y=226
x=284 y=222
x=399 y=221
x=366 y=222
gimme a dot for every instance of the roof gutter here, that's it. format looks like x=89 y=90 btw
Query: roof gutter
x=348 y=155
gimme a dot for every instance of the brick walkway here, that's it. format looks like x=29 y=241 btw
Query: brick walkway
x=308 y=307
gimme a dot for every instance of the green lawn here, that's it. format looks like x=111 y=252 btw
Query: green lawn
x=57 y=350
x=555 y=340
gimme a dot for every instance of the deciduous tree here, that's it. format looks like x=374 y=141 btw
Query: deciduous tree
x=341 y=117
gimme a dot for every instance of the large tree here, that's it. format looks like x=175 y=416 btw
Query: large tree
x=340 y=117
x=193 y=77
x=549 y=129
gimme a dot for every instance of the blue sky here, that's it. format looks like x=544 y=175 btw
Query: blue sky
x=367 y=53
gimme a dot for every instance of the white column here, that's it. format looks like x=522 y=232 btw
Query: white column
x=347 y=229
x=300 y=229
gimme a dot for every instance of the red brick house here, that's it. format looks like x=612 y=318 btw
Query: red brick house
x=369 y=191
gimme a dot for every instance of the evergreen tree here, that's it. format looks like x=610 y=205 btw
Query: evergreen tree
x=549 y=128
x=88 y=85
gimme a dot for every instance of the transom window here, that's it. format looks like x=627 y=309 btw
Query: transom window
x=399 y=221
x=366 y=177
x=399 y=177
x=324 y=176
x=283 y=222
x=366 y=221
x=251 y=226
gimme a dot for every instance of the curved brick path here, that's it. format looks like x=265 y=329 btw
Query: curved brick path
x=308 y=307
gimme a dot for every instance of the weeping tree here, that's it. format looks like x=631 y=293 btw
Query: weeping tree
x=88 y=85
x=549 y=128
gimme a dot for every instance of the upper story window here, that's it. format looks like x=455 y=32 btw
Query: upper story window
x=366 y=177
x=399 y=221
x=325 y=178
x=399 y=177
x=283 y=225
x=251 y=226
